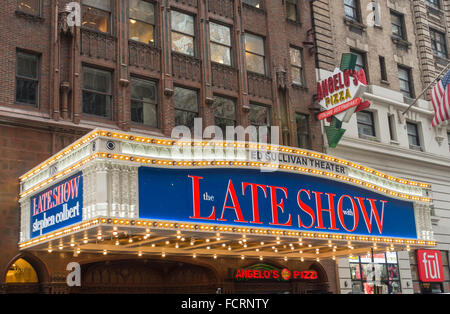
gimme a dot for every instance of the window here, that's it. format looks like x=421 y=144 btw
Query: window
x=413 y=135
x=296 y=66
x=183 y=33
x=383 y=72
x=186 y=106
x=438 y=43
x=96 y=15
x=144 y=105
x=254 y=3
x=260 y=116
x=97 y=93
x=434 y=3
x=224 y=113
x=404 y=77
x=392 y=130
x=351 y=10
x=384 y=271
x=360 y=61
x=291 y=10
x=142 y=21
x=255 y=54
x=397 y=25
x=366 y=125
x=302 y=130
x=32 y=7
x=220 y=37
x=27 y=79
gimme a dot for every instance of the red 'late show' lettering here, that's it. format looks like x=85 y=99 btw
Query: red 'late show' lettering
x=58 y=195
x=308 y=202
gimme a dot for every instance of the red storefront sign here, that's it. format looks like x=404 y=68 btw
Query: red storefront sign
x=429 y=264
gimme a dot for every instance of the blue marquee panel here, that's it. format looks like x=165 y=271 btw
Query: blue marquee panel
x=287 y=201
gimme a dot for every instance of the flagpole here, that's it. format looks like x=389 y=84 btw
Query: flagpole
x=429 y=85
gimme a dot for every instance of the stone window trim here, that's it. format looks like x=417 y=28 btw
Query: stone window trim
x=31 y=17
x=352 y=23
x=401 y=43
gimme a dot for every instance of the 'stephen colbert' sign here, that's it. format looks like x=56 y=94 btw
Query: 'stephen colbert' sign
x=276 y=200
x=59 y=206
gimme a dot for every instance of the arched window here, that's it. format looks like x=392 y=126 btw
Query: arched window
x=21 y=272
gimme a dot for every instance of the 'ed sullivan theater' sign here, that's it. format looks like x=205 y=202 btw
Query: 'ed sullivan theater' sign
x=108 y=182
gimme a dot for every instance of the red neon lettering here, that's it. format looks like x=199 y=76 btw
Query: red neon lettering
x=374 y=212
x=74 y=186
x=255 y=205
x=306 y=209
x=275 y=206
x=196 y=199
x=319 y=210
x=236 y=207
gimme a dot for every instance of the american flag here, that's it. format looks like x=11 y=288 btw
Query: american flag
x=440 y=97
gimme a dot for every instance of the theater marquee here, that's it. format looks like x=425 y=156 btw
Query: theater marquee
x=113 y=192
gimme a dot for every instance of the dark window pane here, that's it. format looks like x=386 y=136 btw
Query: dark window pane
x=259 y=115
x=224 y=108
x=143 y=90
x=30 y=6
x=97 y=80
x=96 y=104
x=96 y=92
x=27 y=65
x=145 y=113
x=185 y=118
x=365 y=123
x=254 y=3
x=302 y=131
x=291 y=10
x=185 y=99
x=26 y=91
x=223 y=123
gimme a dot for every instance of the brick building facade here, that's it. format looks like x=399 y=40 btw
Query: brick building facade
x=126 y=67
